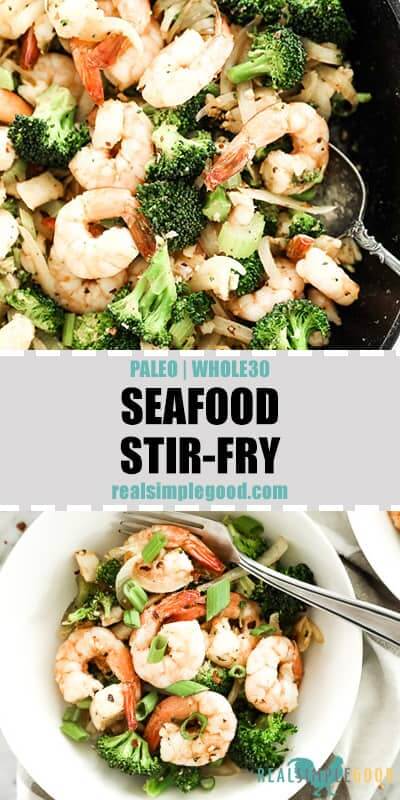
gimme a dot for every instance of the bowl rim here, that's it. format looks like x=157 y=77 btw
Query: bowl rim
x=44 y=777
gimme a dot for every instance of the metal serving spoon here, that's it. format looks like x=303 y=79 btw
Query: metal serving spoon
x=344 y=188
x=371 y=618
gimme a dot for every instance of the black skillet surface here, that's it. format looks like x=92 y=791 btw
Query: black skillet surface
x=374 y=142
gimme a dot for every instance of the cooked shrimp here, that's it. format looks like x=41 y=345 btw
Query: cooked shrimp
x=281 y=271
x=256 y=305
x=108 y=706
x=185 y=651
x=136 y=11
x=77 y=295
x=87 y=256
x=274 y=671
x=230 y=640
x=130 y=65
x=324 y=274
x=395 y=517
x=87 y=21
x=210 y=712
x=185 y=66
x=7 y=152
x=12 y=104
x=326 y=304
x=50 y=69
x=95 y=644
x=120 y=126
x=173 y=568
x=18 y=334
x=17 y=16
x=283 y=173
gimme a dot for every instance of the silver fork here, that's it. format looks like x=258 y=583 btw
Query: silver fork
x=382 y=622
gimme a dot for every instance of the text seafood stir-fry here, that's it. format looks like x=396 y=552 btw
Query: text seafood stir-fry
x=176 y=667
x=158 y=167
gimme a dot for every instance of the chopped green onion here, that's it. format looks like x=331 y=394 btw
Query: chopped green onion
x=185 y=688
x=364 y=97
x=146 y=705
x=68 y=330
x=135 y=594
x=246 y=586
x=84 y=704
x=263 y=630
x=248 y=526
x=132 y=618
x=74 y=731
x=218 y=597
x=237 y=671
x=153 y=547
x=157 y=649
x=71 y=714
x=208 y=783
x=196 y=717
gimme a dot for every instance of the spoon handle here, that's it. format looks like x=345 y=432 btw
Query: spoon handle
x=359 y=232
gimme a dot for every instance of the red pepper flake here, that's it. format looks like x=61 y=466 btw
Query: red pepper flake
x=21 y=526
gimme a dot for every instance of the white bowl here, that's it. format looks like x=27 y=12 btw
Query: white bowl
x=380 y=542
x=37 y=584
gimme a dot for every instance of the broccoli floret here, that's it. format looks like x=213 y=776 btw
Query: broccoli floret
x=189 y=310
x=183 y=116
x=259 y=741
x=217 y=679
x=49 y=137
x=95 y=605
x=252 y=279
x=271 y=217
x=173 y=207
x=183 y=778
x=11 y=205
x=289 y=326
x=320 y=20
x=277 y=54
x=147 y=309
x=243 y=11
x=306 y=224
x=177 y=156
x=186 y=778
x=246 y=534
x=107 y=572
x=40 y=309
x=129 y=753
x=98 y=331
x=273 y=601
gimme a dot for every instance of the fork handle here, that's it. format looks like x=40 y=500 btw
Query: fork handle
x=381 y=622
x=359 y=232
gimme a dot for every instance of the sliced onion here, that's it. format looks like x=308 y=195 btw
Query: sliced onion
x=246 y=101
x=125 y=573
x=230 y=328
x=285 y=201
x=325 y=53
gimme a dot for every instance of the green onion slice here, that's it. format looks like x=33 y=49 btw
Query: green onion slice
x=84 y=704
x=157 y=649
x=146 y=705
x=263 y=630
x=237 y=671
x=71 y=714
x=218 y=597
x=131 y=618
x=208 y=783
x=68 y=330
x=200 y=721
x=135 y=594
x=153 y=547
x=185 y=688
x=74 y=731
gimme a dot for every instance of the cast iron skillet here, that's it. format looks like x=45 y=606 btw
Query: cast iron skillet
x=374 y=141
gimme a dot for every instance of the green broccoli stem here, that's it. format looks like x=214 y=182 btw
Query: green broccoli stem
x=249 y=70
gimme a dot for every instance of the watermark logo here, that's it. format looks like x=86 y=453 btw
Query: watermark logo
x=325 y=780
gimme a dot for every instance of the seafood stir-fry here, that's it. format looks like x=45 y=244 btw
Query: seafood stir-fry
x=176 y=667
x=159 y=173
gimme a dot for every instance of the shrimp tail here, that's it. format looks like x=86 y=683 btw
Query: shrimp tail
x=140 y=230
x=29 y=50
x=188 y=604
x=106 y=52
x=198 y=550
x=90 y=75
x=229 y=163
x=172 y=708
x=299 y=246
x=129 y=692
